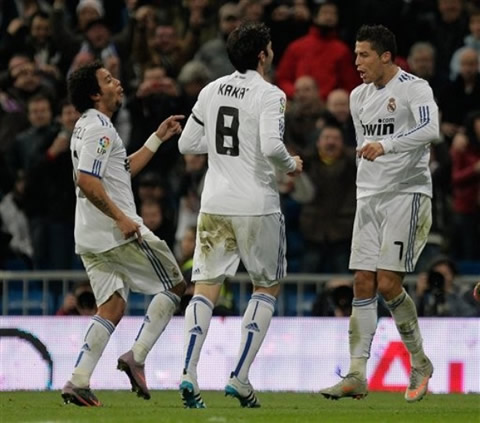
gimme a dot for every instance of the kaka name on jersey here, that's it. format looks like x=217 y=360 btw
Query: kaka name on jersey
x=230 y=90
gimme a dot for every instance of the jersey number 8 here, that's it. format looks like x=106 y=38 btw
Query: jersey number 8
x=227 y=131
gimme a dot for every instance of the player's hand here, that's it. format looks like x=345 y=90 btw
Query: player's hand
x=370 y=151
x=298 y=168
x=169 y=127
x=129 y=228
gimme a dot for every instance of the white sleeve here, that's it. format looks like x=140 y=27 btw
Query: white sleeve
x=356 y=122
x=96 y=147
x=192 y=140
x=272 y=127
x=425 y=112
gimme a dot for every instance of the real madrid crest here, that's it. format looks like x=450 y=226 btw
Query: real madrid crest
x=392 y=105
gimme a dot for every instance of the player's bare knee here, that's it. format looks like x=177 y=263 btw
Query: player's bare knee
x=364 y=284
x=389 y=284
x=273 y=290
x=113 y=309
x=179 y=289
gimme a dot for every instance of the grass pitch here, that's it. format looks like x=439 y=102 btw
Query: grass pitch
x=166 y=407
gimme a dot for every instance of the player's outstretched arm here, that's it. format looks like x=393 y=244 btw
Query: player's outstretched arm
x=93 y=189
x=166 y=130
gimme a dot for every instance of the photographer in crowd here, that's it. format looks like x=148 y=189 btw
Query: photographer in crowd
x=438 y=294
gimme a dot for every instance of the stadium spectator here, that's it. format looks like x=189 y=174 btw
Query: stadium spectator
x=118 y=251
x=156 y=97
x=326 y=221
x=471 y=40
x=338 y=105
x=80 y=302
x=438 y=294
x=320 y=54
x=421 y=60
x=156 y=219
x=213 y=54
x=393 y=215
x=335 y=300
x=49 y=193
x=288 y=20
x=466 y=92
x=15 y=224
x=302 y=116
x=465 y=154
x=241 y=109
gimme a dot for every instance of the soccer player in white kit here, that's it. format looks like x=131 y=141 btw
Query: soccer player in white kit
x=118 y=251
x=395 y=119
x=239 y=121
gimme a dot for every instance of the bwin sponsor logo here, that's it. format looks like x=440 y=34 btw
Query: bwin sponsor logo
x=378 y=129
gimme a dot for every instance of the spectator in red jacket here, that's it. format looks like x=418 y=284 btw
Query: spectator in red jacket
x=320 y=54
x=465 y=154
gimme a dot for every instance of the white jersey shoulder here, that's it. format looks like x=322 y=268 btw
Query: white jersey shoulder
x=98 y=150
x=403 y=116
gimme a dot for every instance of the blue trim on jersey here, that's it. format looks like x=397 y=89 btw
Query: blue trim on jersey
x=424 y=120
x=96 y=167
x=244 y=353
x=90 y=173
x=410 y=254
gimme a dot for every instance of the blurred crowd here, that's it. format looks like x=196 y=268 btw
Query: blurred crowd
x=164 y=52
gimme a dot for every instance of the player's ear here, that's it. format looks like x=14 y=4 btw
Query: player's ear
x=95 y=97
x=386 y=57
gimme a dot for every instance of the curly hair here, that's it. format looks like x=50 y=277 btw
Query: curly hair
x=82 y=84
x=245 y=43
x=380 y=37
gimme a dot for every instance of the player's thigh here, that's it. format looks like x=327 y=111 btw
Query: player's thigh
x=262 y=244
x=405 y=232
x=149 y=266
x=366 y=235
x=216 y=254
x=104 y=276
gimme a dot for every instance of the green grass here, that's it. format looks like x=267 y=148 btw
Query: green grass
x=166 y=407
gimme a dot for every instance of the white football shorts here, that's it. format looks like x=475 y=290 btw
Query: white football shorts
x=222 y=241
x=148 y=267
x=390 y=231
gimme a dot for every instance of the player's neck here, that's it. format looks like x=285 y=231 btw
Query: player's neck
x=102 y=108
x=388 y=75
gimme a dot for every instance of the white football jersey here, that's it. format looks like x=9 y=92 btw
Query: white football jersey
x=239 y=121
x=97 y=149
x=403 y=116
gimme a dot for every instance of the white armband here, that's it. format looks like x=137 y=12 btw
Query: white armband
x=153 y=142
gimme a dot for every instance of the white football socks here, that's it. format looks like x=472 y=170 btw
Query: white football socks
x=197 y=321
x=362 y=327
x=255 y=323
x=404 y=313
x=95 y=340
x=159 y=313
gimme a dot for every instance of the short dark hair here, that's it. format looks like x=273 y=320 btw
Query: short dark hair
x=245 y=43
x=380 y=37
x=82 y=84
